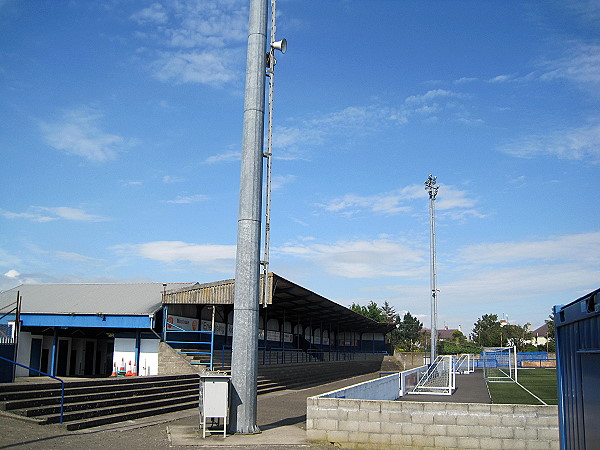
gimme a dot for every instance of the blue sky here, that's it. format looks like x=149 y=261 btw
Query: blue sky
x=121 y=140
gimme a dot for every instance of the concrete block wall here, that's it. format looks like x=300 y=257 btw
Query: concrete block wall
x=382 y=424
x=409 y=360
x=172 y=363
x=335 y=370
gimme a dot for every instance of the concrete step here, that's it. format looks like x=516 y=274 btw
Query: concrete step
x=82 y=404
x=75 y=388
x=42 y=385
x=95 y=402
x=128 y=407
x=131 y=415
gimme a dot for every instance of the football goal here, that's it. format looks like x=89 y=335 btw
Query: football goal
x=499 y=364
x=439 y=379
x=464 y=363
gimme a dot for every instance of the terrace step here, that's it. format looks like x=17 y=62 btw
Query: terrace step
x=96 y=402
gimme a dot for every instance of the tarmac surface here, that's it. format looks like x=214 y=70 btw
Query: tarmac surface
x=470 y=388
x=281 y=417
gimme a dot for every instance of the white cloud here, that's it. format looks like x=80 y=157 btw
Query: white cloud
x=167 y=179
x=362 y=259
x=233 y=155
x=465 y=80
x=584 y=248
x=155 y=13
x=35 y=217
x=433 y=106
x=511 y=284
x=12 y=274
x=387 y=203
x=132 y=183
x=587 y=10
x=78 y=133
x=577 y=144
x=75 y=214
x=47 y=214
x=205 y=67
x=501 y=79
x=580 y=64
x=187 y=199
x=432 y=95
x=524 y=279
x=279 y=181
x=72 y=256
x=213 y=258
x=450 y=199
x=202 y=41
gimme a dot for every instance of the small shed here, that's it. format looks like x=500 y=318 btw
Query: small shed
x=578 y=362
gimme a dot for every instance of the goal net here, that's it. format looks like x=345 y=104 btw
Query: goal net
x=499 y=364
x=439 y=379
x=464 y=363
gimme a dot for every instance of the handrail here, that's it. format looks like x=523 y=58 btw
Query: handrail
x=198 y=332
x=62 y=384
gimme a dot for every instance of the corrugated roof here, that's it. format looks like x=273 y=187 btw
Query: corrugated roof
x=100 y=298
x=285 y=299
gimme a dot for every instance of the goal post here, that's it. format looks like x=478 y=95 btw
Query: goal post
x=464 y=363
x=438 y=379
x=500 y=364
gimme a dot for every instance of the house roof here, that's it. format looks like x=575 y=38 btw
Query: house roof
x=97 y=298
x=442 y=333
x=541 y=331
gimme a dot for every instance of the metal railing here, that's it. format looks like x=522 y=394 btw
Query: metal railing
x=62 y=384
x=210 y=343
x=272 y=356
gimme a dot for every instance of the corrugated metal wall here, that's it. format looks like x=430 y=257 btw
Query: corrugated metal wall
x=220 y=293
x=578 y=363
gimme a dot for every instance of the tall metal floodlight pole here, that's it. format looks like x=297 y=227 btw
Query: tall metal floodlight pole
x=244 y=360
x=432 y=188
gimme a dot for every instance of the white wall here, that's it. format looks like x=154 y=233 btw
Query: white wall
x=148 y=357
x=23 y=353
x=125 y=352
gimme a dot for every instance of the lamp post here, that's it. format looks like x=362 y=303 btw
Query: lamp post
x=432 y=188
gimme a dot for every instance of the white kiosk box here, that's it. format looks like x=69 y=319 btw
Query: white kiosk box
x=214 y=398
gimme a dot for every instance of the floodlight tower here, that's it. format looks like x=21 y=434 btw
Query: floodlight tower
x=432 y=188
x=244 y=364
x=244 y=358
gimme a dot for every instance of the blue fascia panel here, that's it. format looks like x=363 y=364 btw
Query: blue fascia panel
x=86 y=321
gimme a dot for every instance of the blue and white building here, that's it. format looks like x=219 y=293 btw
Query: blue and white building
x=97 y=329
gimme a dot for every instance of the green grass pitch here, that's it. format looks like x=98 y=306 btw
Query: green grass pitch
x=541 y=382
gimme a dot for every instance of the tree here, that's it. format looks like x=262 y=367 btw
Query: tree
x=487 y=331
x=515 y=335
x=372 y=311
x=551 y=336
x=458 y=337
x=551 y=332
x=389 y=313
x=408 y=332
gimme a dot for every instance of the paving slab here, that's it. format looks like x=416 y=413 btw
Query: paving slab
x=190 y=435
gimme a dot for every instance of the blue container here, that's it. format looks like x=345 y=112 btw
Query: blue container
x=578 y=363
